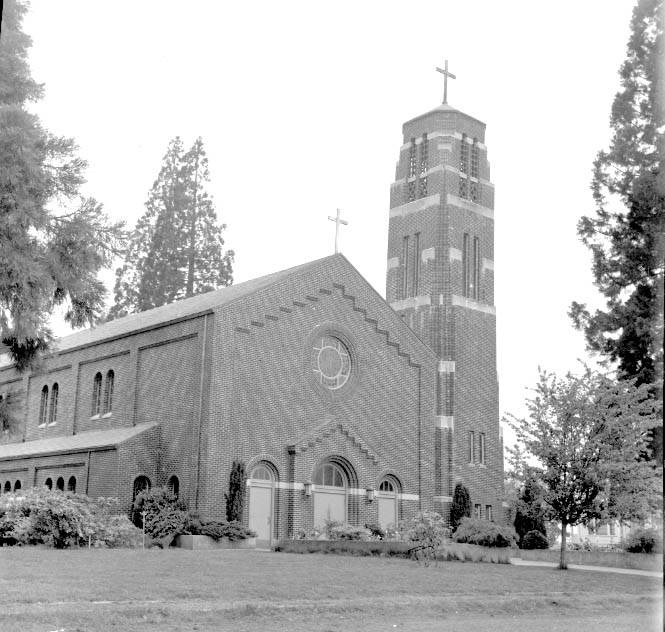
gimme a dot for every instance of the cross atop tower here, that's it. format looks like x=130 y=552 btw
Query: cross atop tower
x=445 y=74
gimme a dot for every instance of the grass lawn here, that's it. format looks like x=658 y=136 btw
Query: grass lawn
x=153 y=590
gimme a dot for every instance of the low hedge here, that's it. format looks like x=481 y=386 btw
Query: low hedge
x=447 y=552
x=485 y=533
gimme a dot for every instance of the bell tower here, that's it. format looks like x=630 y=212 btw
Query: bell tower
x=440 y=279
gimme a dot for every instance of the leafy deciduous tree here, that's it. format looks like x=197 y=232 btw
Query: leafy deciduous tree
x=587 y=433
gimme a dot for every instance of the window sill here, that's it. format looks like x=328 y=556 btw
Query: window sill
x=107 y=415
x=482 y=465
x=94 y=417
x=52 y=423
x=41 y=426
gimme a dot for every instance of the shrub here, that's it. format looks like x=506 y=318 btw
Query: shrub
x=235 y=499
x=643 y=540
x=535 y=540
x=63 y=519
x=218 y=529
x=165 y=515
x=484 y=533
x=461 y=506
x=375 y=530
x=427 y=529
x=348 y=532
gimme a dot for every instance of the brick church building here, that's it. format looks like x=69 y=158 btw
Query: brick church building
x=340 y=403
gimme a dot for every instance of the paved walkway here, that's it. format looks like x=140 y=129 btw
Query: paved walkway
x=579 y=567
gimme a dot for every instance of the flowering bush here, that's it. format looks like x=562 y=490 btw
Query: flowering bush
x=376 y=530
x=427 y=529
x=485 y=533
x=63 y=519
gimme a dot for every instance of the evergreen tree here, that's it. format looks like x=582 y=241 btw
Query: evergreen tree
x=235 y=499
x=52 y=241
x=626 y=235
x=529 y=514
x=176 y=249
x=461 y=506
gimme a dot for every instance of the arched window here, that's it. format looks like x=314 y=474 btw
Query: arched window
x=108 y=392
x=60 y=484
x=43 y=405
x=8 y=486
x=71 y=484
x=262 y=473
x=17 y=485
x=96 y=395
x=48 y=483
x=388 y=502
x=174 y=485
x=140 y=483
x=53 y=410
x=387 y=486
x=330 y=475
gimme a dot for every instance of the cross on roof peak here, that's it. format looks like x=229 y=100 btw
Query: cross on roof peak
x=446 y=74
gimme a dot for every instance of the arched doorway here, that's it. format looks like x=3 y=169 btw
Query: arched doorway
x=330 y=494
x=387 y=502
x=261 y=503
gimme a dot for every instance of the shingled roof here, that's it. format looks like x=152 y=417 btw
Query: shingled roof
x=73 y=443
x=174 y=311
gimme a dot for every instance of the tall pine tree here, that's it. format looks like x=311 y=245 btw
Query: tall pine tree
x=626 y=235
x=176 y=249
x=53 y=242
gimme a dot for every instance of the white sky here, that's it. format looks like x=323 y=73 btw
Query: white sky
x=300 y=106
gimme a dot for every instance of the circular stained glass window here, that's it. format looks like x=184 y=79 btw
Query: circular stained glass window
x=332 y=362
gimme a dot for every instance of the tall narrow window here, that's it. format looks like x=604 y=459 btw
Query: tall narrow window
x=8 y=486
x=174 y=485
x=53 y=410
x=463 y=187
x=475 y=288
x=424 y=165
x=466 y=265
x=482 y=447
x=71 y=484
x=472 y=446
x=475 y=162
x=488 y=513
x=412 y=159
x=411 y=191
x=405 y=266
x=416 y=263
x=478 y=511
x=43 y=405
x=48 y=483
x=17 y=486
x=464 y=155
x=60 y=484
x=108 y=392
x=96 y=395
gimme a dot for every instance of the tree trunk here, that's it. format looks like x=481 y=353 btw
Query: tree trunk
x=562 y=560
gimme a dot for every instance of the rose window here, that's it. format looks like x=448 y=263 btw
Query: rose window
x=332 y=362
